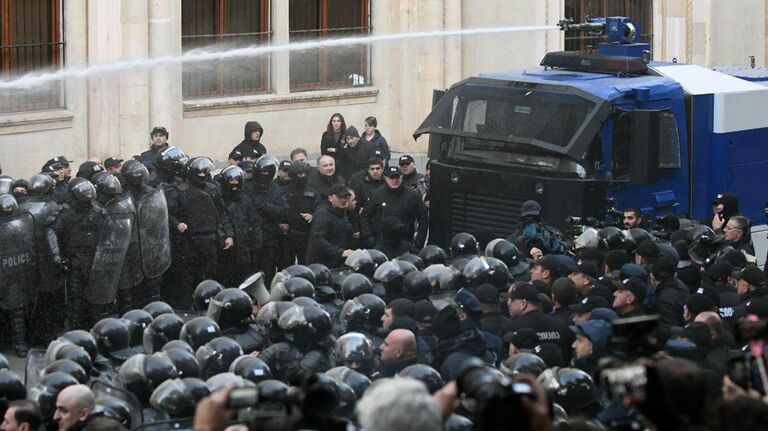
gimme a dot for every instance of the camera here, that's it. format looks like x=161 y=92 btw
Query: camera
x=747 y=368
x=494 y=400
x=632 y=338
x=624 y=380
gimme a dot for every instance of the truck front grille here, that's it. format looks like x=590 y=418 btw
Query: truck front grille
x=470 y=211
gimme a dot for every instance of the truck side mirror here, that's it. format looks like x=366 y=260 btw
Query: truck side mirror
x=645 y=135
x=435 y=147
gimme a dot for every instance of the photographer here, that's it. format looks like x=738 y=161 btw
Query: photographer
x=399 y=404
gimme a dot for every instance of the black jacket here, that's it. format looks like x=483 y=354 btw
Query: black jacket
x=301 y=199
x=330 y=235
x=271 y=203
x=494 y=323
x=548 y=329
x=364 y=186
x=353 y=159
x=330 y=140
x=147 y=158
x=245 y=220
x=450 y=354
x=411 y=180
x=379 y=143
x=670 y=298
x=247 y=143
x=323 y=183
x=404 y=204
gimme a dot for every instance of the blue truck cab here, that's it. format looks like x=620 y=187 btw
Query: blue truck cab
x=584 y=127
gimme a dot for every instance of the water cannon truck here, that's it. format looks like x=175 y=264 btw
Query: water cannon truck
x=587 y=133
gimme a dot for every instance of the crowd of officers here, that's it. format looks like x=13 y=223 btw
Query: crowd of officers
x=345 y=287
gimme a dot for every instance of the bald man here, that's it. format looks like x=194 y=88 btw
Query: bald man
x=74 y=407
x=397 y=352
x=719 y=349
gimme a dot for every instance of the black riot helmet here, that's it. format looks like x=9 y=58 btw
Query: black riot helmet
x=204 y=291
x=424 y=373
x=6 y=184
x=4 y=365
x=508 y=253
x=306 y=326
x=134 y=173
x=481 y=269
x=141 y=374
x=117 y=409
x=62 y=349
x=178 y=397
x=230 y=307
x=432 y=255
x=113 y=337
x=355 y=285
x=363 y=312
x=301 y=271
x=378 y=257
x=416 y=286
x=442 y=277
x=199 y=169
x=83 y=192
x=611 y=238
x=703 y=244
x=11 y=387
x=157 y=308
x=46 y=391
x=355 y=350
x=231 y=178
x=222 y=380
x=171 y=160
x=391 y=276
x=138 y=321
x=185 y=362
x=8 y=205
x=571 y=388
x=413 y=259
x=251 y=368
x=323 y=276
x=178 y=344
x=637 y=235
x=523 y=363
x=359 y=382
x=217 y=355
x=347 y=402
x=463 y=244
x=269 y=316
x=304 y=301
x=361 y=262
x=273 y=394
x=67 y=366
x=40 y=185
x=265 y=169
x=161 y=330
x=107 y=185
x=406 y=266
x=291 y=289
x=199 y=331
x=83 y=339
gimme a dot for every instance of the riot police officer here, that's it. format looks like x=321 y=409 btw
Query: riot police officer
x=302 y=203
x=238 y=261
x=18 y=272
x=73 y=235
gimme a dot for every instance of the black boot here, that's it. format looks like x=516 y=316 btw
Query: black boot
x=19 y=332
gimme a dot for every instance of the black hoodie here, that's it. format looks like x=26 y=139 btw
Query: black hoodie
x=249 y=144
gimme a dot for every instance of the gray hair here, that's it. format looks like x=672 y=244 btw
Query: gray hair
x=401 y=404
x=742 y=223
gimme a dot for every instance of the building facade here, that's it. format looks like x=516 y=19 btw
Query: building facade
x=293 y=94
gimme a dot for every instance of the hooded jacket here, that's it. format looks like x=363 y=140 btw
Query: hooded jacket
x=353 y=159
x=598 y=332
x=450 y=354
x=379 y=143
x=247 y=143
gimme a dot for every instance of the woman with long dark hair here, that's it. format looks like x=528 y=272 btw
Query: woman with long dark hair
x=333 y=137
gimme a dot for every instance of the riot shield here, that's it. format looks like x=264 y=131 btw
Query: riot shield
x=40 y=207
x=118 y=404
x=154 y=240
x=114 y=239
x=132 y=273
x=18 y=261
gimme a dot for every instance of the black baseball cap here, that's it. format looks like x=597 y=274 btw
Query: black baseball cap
x=635 y=286
x=285 y=165
x=526 y=291
x=236 y=155
x=720 y=271
x=753 y=275
x=339 y=190
x=587 y=268
x=529 y=208
x=405 y=159
x=487 y=294
x=159 y=130
x=664 y=268
x=111 y=162
x=588 y=304
x=392 y=172
x=648 y=248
